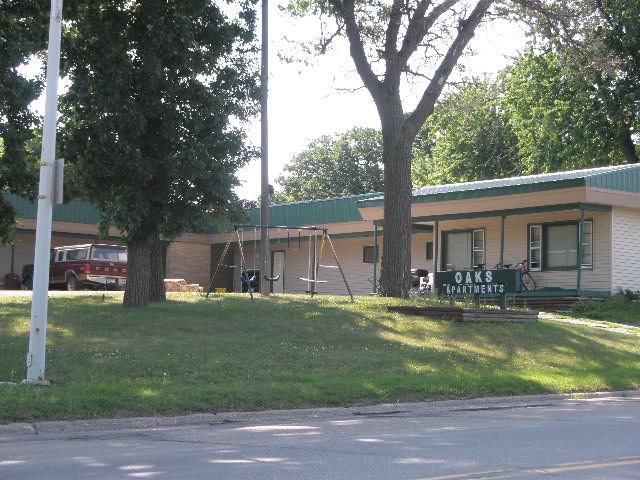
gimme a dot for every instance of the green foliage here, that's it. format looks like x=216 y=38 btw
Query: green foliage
x=22 y=34
x=287 y=351
x=557 y=115
x=570 y=101
x=629 y=295
x=147 y=117
x=540 y=115
x=621 y=308
x=619 y=87
x=467 y=138
x=597 y=43
x=586 y=307
x=346 y=164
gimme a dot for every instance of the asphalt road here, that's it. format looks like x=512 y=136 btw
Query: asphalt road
x=550 y=437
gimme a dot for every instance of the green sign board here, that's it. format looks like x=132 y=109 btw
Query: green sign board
x=480 y=282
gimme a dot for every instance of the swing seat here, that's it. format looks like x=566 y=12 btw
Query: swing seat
x=272 y=279
x=311 y=280
x=250 y=280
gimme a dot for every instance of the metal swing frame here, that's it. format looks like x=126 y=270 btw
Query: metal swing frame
x=314 y=277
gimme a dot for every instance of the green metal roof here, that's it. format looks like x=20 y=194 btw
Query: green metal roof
x=621 y=177
x=75 y=211
x=345 y=209
x=314 y=212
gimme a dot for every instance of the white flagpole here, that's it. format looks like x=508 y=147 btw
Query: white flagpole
x=39 y=303
x=265 y=286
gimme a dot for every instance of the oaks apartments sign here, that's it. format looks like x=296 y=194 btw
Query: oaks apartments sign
x=480 y=282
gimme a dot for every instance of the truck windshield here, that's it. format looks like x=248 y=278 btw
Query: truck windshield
x=112 y=253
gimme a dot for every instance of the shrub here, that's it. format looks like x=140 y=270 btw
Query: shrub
x=628 y=294
x=585 y=307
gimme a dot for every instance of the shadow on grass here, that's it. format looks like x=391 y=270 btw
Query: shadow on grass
x=192 y=354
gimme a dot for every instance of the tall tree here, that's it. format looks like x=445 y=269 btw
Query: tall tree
x=387 y=40
x=558 y=115
x=147 y=119
x=22 y=34
x=467 y=138
x=599 y=40
x=539 y=115
x=333 y=166
x=620 y=31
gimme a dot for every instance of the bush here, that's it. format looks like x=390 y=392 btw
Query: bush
x=585 y=307
x=628 y=294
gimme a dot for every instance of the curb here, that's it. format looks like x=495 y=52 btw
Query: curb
x=434 y=407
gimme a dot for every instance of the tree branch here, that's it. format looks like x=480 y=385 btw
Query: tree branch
x=432 y=92
x=345 y=9
x=419 y=25
x=395 y=21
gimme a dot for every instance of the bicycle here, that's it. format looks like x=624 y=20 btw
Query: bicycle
x=526 y=279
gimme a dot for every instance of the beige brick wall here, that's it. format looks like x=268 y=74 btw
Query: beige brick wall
x=189 y=261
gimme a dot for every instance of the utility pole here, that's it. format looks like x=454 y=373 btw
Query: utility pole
x=265 y=286
x=40 y=299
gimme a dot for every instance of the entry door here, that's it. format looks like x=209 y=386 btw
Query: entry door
x=277 y=268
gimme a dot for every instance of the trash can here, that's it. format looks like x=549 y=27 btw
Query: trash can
x=419 y=276
x=250 y=277
x=12 y=281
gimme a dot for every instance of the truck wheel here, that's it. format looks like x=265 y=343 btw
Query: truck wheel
x=73 y=283
x=28 y=283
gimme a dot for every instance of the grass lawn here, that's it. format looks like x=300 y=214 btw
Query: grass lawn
x=193 y=354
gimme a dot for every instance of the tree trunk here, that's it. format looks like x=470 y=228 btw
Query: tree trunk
x=157 y=292
x=395 y=277
x=628 y=147
x=139 y=270
x=145 y=277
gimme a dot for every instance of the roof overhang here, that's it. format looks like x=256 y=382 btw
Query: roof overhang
x=479 y=204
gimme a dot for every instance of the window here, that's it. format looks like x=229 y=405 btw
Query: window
x=587 y=245
x=429 y=251
x=555 y=246
x=463 y=249
x=368 y=254
x=77 y=254
x=109 y=252
x=478 y=247
x=561 y=246
x=535 y=247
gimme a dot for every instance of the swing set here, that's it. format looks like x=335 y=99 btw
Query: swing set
x=250 y=279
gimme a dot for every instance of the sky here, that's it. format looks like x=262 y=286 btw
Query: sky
x=307 y=102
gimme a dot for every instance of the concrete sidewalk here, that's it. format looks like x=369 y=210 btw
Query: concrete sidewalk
x=59 y=293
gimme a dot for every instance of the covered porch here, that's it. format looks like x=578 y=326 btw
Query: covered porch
x=576 y=230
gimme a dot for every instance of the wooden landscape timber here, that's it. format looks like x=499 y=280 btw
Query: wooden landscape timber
x=461 y=314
